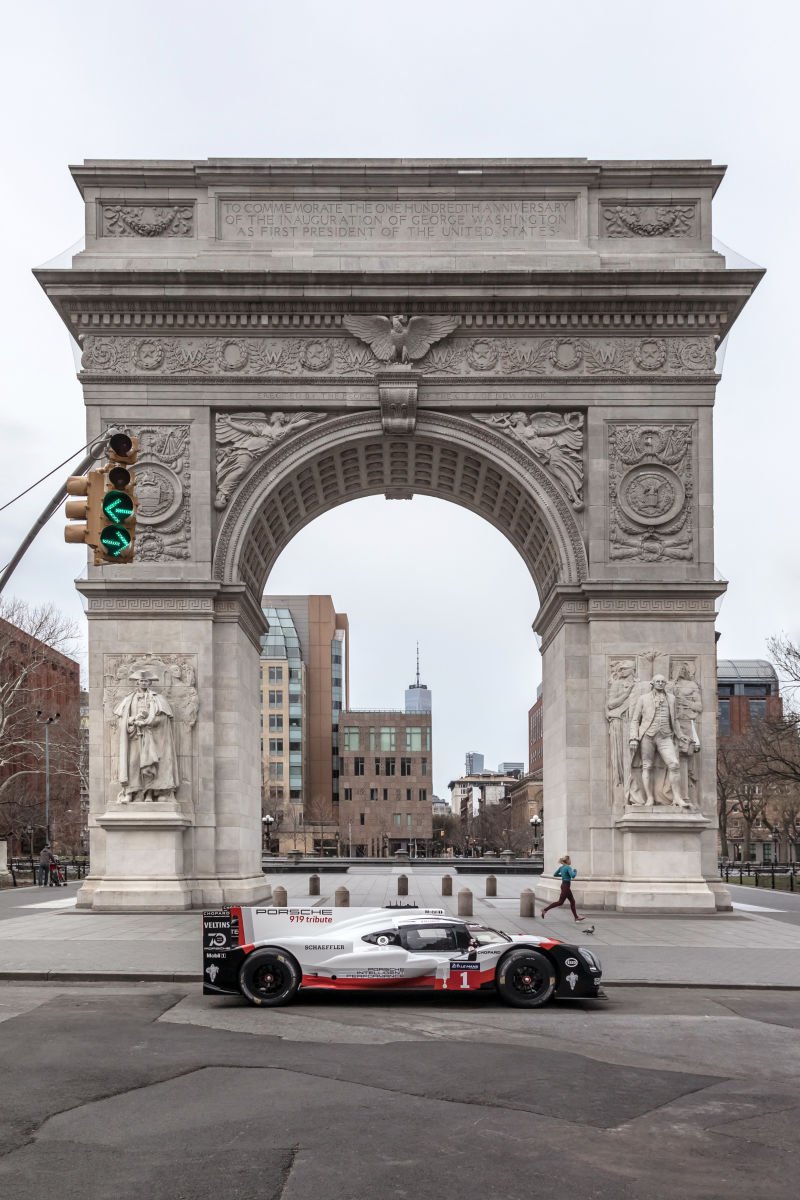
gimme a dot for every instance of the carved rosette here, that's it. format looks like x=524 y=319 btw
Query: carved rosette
x=244 y=438
x=315 y=357
x=629 y=691
x=174 y=677
x=554 y=439
x=147 y=220
x=163 y=492
x=650 y=480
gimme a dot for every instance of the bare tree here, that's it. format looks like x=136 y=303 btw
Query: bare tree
x=786 y=656
x=27 y=635
x=731 y=783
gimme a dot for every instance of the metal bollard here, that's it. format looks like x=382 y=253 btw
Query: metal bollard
x=527 y=903
x=279 y=897
x=491 y=885
x=341 y=898
x=447 y=885
x=402 y=885
x=465 y=903
x=313 y=885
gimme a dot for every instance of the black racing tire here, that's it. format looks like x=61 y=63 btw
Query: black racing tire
x=269 y=977
x=526 y=978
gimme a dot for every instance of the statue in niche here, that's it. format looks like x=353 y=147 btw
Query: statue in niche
x=148 y=760
x=688 y=709
x=656 y=733
x=618 y=703
x=653 y=762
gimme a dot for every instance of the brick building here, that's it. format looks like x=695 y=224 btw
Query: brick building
x=748 y=690
x=385 y=781
x=49 y=684
x=535 y=742
x=304 y=686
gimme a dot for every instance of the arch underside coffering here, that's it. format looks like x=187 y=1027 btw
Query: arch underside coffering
x=447 y=458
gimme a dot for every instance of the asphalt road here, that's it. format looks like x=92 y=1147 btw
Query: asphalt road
x=154 y=1091
x=778 y=906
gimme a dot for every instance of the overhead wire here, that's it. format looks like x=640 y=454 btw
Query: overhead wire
x=8 y=503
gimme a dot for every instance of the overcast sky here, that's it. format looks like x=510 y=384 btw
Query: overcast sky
x=711 y=80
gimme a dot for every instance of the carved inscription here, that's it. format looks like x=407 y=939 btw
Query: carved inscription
x=650 y=491
x=275 y=223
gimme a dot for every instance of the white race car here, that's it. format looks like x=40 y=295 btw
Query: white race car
x=267 y=954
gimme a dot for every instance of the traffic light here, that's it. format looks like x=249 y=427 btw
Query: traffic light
x=87 y=510
x=118 y=504
x=107 y=510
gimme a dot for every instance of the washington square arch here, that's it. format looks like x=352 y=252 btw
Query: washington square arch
x=534 y=340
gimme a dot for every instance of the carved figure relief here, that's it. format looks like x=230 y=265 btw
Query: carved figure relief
x=650 y=220
x=400 y=338
x=650 y=491
x=163 y=489
x=554 y=438
x=653 y=707
x=560 y=357
x=150 y=705
x=242 y=438
x=148 y=220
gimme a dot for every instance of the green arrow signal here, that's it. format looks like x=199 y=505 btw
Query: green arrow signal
x=115 y=540
x=117 y=506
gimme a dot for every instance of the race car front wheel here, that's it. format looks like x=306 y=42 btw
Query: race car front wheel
x=526 y=979
x=269 y=977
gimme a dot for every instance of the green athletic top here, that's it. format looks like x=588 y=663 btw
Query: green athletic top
x=567 y=873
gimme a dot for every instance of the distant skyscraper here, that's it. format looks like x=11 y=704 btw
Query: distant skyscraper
x=474 y=763
x=508 y=768
x=419 y=698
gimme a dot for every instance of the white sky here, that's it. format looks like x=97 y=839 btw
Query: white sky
x=615 y=80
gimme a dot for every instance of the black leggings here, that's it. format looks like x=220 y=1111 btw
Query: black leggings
x=566 y=896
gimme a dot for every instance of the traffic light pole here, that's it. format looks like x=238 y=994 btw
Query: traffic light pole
x=95 y=451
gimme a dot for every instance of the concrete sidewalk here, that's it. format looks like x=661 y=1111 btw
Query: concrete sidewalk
x=42 y=935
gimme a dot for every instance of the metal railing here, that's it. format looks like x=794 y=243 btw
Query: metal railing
x=26 y=870
x=761 y=874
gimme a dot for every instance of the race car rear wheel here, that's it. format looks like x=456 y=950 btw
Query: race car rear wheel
x=526 y=978
x=269 y=977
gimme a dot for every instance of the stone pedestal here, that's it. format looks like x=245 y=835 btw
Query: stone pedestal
x=661 y=852
x=144 y=861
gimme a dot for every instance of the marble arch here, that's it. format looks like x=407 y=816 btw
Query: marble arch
x=533 y=339
x=447 y=457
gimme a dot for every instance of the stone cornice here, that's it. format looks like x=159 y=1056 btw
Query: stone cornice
x=259 y=301
x=691 y=601
x=461 y=174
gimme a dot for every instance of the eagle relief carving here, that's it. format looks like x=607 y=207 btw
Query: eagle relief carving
x=400 y=339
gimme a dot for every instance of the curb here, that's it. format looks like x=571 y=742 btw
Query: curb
x=190 y=977
x=101 y=976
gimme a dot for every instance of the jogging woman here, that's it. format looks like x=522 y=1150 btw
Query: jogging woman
x=566 y=873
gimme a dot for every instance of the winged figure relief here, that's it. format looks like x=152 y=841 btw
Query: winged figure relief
x=242 y=438
x=400 y=338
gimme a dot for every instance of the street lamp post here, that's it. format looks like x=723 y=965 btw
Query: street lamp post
x=268 y=821
x=47 y=722
x=536 y=823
